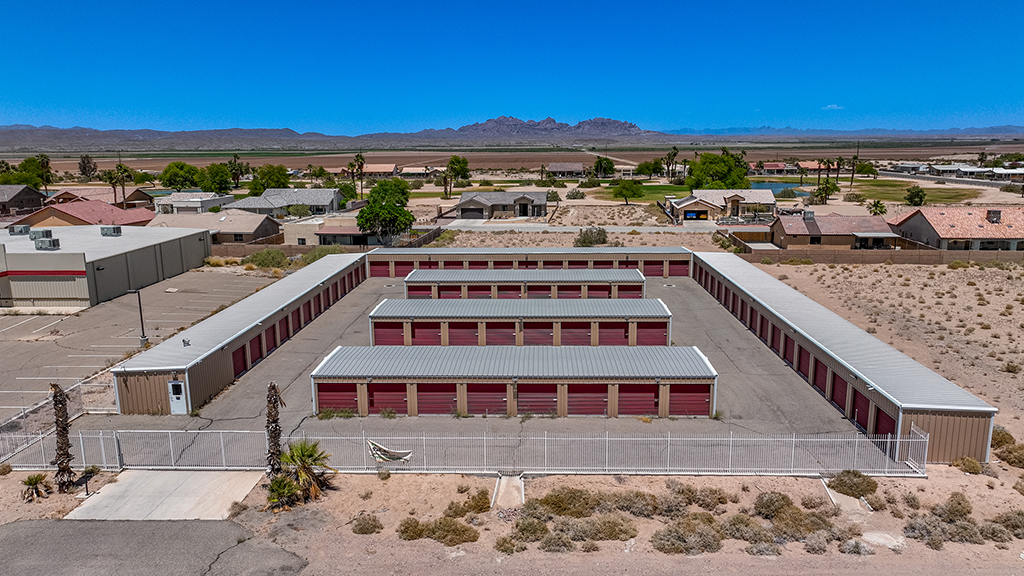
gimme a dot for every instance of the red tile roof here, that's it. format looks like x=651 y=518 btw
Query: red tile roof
x=836 y=225
x=969 y=222
x=98 y=212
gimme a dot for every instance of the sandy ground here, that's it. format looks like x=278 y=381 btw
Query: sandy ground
x=467 y=239
x=570 y=214
x=14 y=508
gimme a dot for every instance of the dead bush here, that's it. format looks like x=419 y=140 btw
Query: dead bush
x=367 y=524
x=853 y=483
x=5 y=469
x=411 y=529
x=743 y=527
x=689 y=538
x=768 y=504
x=672 y=505
x=927 y=528
x=912 y=501
x=967 y=465
x=844 y=532
x=1012 y=455
x=529 y=530
x=995 y=532
x=532 y=508
x=876 y=502
x=589 y=546
x=506 y=545
x=965 y=531
x=812 y=502
x=556 y=542
x=763 y=549
x=455 y=510
x=709 y=498
x=829 y=511
x=635 y=502
x=955 y=509
x=567 y=501
x=449 y=532
x=792 y=524
x=1013 y=521
x=1019 y=485
x=856 y=547
x=610 y=527
x=479 y=502
x=1001 y=437
x=816 y=542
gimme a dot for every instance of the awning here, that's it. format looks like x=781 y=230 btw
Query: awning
x=875 y=235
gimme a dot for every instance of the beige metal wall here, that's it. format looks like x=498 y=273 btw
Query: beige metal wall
x=47 y=290
x=143 y=392
x=953 y=435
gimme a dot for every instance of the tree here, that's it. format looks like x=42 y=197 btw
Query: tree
x=866 y=169
x=760 y=166
x=457 y=169
x=360 y=162
x=626 y=190
x=45 y=174
x=840 y=162
x=394 y=191
x=215 y=178
x=110 y=177
x=670 y=161
x=321 y=174
x=877 y=208
x=982 y=157
x=299 y=210
x=650 y=167
x=352 y=172
x=821 y=163
x=268 y=176
x=915 y=196
x=384 y=220
x=21 y=178
x=1013 y=189
x=824 y=190
x=305 y=463
x=87 y=167
x=238 y=169
x=179 y=175
x=347 y=191
x=853 y=169
x=5 y=167
x=603 y=167
x=802 y=172
x=140 y=177
x=64 y=476
x=722 y=171
x=124 y=174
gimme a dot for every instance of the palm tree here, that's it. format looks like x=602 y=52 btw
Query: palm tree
x=282 y=492
x=877 y=208
x=110 y=177
x=821 y=162
x=123 y=173
x=840 y=162
x=309 y=171
x=273 y=430
x=802 y=172
x=828 y=168
x=36 y=486
x=64 y=477
x=352 y=172
x=760 y=166
x=360 y=162
x=305 y=464
x=853 y=169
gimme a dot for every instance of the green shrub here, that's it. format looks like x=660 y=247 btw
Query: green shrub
x=529 y=530
x=1002 y=437
x=590 y=237
x=450 y=532
x=854 y=197
x=968 y=465
x=556 y=542
x=590 y=183
x=455 y=510
x=269 y=258
x=461 y=184
x=853 y=483
x=506 y=545
x=411 y=529
x=299 y=210
x=553 y=196
x=768 y=504
x=786 y=194
x=957 y=264
x=388 y=413
x=766 y=260
x=321 y=251
x=88 y=471
x=415 y=184
x=485 y=182
x=567 y=501
x=367 y=524
x=577 y=194
x=479 y=502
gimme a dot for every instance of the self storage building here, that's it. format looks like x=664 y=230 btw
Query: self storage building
x=879 y=388
x=186 y=371
x=509 y=380
x=513 y=284
x=590 y=322
x=653 y=261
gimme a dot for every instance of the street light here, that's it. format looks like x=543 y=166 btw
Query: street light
x=142 y=323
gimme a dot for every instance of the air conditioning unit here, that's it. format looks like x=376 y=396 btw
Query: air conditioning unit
x=19 y=230
x=47 y=244
x=37 y=234
x=110 y=230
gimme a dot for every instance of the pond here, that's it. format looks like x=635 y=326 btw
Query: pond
x=777 y=187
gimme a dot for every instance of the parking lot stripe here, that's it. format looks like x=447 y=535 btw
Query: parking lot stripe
x=74 y=366
x=110 y=346
x=89 y=355
x=208 y=301
x=24 y=391
x=16 y=325
x=47 y=326
x=181 y=313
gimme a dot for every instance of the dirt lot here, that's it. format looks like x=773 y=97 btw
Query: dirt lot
x=617 y=215
x=467 y=239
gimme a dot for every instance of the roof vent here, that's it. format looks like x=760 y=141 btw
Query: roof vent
x=808 y=215
x=19 y=230
x=37 y=234
x=110 y=230
x=993 y=216
x=47 y=244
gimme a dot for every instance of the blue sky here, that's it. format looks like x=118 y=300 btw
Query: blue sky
x=399 y=66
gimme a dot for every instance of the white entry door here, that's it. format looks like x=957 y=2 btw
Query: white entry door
x=176 y=390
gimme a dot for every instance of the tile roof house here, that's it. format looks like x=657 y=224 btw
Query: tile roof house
x=713 y=204
x=275 y=201
x=85 y=213
x=15 y=198
x=770 y=168
x=832 y=232
x=964 y=227
x=509 y=204
x=133 y=196
x=566 y=169
x=226 y=226
x=378 y=171
x=191 y=202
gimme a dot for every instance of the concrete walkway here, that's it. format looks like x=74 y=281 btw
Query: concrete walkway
x=167 y=495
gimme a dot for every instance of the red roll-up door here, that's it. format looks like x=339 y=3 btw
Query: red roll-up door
x=764 y=329
x=510 y=292
x=380 y=269
x=587 y=399
x=776 y=338
x=296 y=320
x=388 y=334
x=238 y=361
x=743 y=312
x=604 y=264
x=478 y=264
x=630 y=264
x=652 y=333
x=462 y=334
x=884 y=424
x=638 y=399
x=803 y=365
x=502 y=265
x=255 y=351
x=538 y=334
x=501 y=334
x=537 y=398
x=689 y=400
x=571 y=292
x=334 y=291
x=317 y=309
x=820 y=376
x=678 y=268
x=427 y=265
x=479 y=292
x=307 y=312
x=788 y=349
x=325 y=298
x=449 y=292
x=735 y=309
x=387 y=395
x=270 y=337
x=754 y=321
x=575 y=334
x=654 y=268
x=602 y=291
x=538 y=292
x=578 y=264
x=861 y=408
x=436 y=398
x=403 y=269
x=486 y=399
x=336 y=395
x=420 y=292
x=527 y=265
x=454 y=265
x=839 y=392
x=724 y=298
x=631 y=291
x=612 y=333
x=282 y=330
x=553 y=264
x=426 y=333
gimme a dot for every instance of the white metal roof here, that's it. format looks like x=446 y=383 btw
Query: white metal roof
x=556 y=362
x=87 y=240
x=552 y=276
x=898 y=377
x=526 y=250
x=620 y=308
x=223 y=327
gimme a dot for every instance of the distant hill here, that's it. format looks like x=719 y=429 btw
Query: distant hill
x=1009 y=130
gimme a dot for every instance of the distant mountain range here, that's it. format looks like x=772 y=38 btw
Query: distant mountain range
x=501 y=131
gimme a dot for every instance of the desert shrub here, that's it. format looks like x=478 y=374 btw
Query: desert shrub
x=589 y=546
x=411 y=529
x=763 y=549
x=672 y=505
x=529 y=530
x=1013 y=521
x=957 y=264
x=479 y=502
x=792 y=524
x=812 y=502
x=556 y=542
x=321 y=251
x=766 y=260
x=462 y=488
x=558 y=184
x=590 y=182
x=854 y=197
x=875 y=501
x=553 y=196
x=829 y=511
x=911 y=501
x=1018 y=485
x=450 y=532
x=636 y=502
x=590 y=237
x=929 y=529
x=844 y=532
x=1009 y=367
x=964 y=531
x=5 y=469
x=506 y=545
x=532 y=508
x=1012 y=455
x=461 y=184
x=383 y=474
x=968 y=465
x=578 y=194
x=853 y=483
x=709 y=498
x=455 y=510
x=995 y=532
x=684 y=537
x=956 y=508
x=1012 y=189
x=367 y=524
x=786 y=194
x=856 y=547
x=269 y=258
x=768 y=504
x=213 y=261
x=567 y=501
x=743 y=527
x=816 y=542
x=605 y=527
x=415 y=184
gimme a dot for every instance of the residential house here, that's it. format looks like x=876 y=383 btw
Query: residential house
x=974 y=172
x=511 y=204
x=18 y=198
x=947 y=170
x=963 y=227
x=132 y=197
x=625 y=171
x=714 y=204
x=276 y=201
x=833 y=232
x=85 y=213
x=379 y=171
x=911 y=168
x=226 y=226
x=191 y=202
x=566 y=169
x=768 y=168
x=1014 y=174
x=421 y=172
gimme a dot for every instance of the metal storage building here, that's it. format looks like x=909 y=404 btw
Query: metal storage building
x=186 y=371
x=513 y=284
x=509 y=380
x=85 y=265
x=879 y=388
x=654 y=261
x=589 y=322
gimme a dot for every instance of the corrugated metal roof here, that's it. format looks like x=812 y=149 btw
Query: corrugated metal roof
x=573 y=362
x=554 y=276
x=544 y=251
x=220 y=329
x=88 y=240
x=512 y=308
x=897 y=376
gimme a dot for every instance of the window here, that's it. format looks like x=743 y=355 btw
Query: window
x=815 y=239
x=504 y=207
x=238 y=238
x=302 y=241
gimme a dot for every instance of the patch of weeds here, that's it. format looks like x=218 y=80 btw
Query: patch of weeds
x=567 y=501
x=384 y=474
x=709 y=498
x=635 y=502
x=449 y=532
x=995 y=532
x=967 y=465
x=1013 y=521
x=411 y=529
x=693 y=534
x=853 y=483
x=605 y=527
x=556 y=542
x=876 y=502
x=856 y=548
x=366 y=495
x=462 y=488
x=743 y=527
x=529 y=530
x=812 y=502
x=763 y=549
x=816 y=542
x=956 y=508
x=526 y=416
x=589 y=546
x=388 y=413
x=507 y=545
x=910 y=500
x=768 y=504
x=367 y=524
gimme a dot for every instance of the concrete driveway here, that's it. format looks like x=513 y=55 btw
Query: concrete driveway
x=167 y=495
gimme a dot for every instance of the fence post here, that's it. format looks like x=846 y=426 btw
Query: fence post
x=485 y=452
x=42 y=451
x=170 y=445
x=856 y=443
x=888 y=446
x=605 y=450
x=103 y=451
x=424 y=451
x=363 y=447
x=81 y=446
x=223 y=455
x=668 y=453
x=120 y=452
x=730 y=452
x=792 y=459
x=545 y=451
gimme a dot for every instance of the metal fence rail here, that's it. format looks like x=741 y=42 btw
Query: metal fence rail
x=732 y=454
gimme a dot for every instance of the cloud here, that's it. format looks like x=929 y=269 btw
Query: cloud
x=833 y=107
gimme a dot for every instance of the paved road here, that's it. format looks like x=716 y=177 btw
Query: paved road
x=491 y=226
